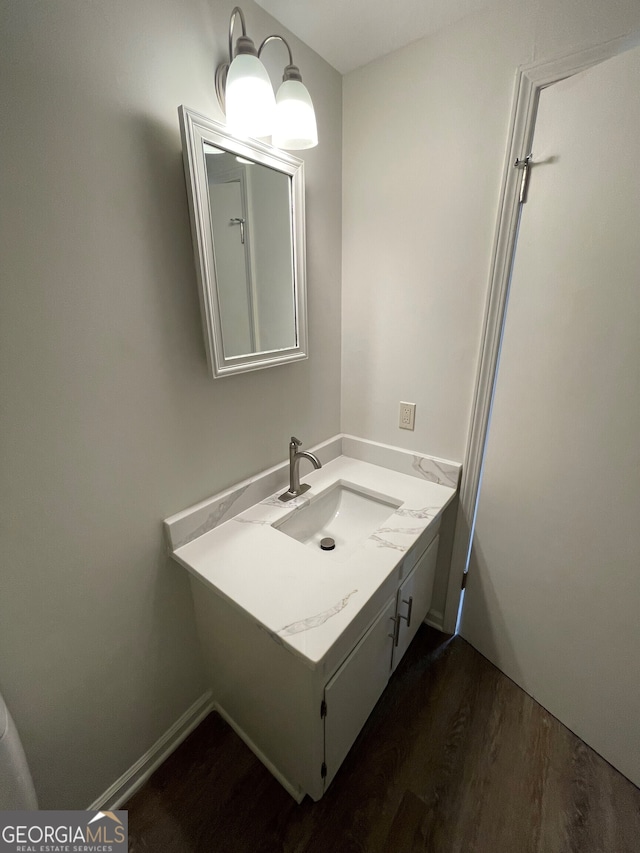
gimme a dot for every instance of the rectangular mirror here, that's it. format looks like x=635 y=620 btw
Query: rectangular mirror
x=246 y=203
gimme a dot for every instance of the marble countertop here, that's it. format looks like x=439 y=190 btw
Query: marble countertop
x=308 y=599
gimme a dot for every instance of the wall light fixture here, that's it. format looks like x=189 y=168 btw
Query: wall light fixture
x=245 y=94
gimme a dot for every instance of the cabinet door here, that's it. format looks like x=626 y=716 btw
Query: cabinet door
x=414 y=600
x=356 y=687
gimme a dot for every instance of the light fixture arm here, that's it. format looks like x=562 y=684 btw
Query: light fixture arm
x=291 y=72
x=276 y=38
x=243 y=45
x=237 y=11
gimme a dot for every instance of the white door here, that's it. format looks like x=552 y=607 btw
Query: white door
x=553 y=596
x=230 y=228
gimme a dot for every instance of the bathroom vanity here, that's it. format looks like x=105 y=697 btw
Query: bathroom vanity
x=299 y=643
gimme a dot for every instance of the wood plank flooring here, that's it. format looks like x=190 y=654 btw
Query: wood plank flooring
x=455 y=757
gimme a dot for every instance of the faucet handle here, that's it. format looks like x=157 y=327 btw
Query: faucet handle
x=296 y=441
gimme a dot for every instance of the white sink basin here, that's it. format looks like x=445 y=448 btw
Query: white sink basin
x=344 y=512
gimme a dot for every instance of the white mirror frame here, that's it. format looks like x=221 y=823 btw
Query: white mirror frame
x=195 y=130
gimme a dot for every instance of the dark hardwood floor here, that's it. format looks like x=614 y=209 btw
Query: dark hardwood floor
x=455 y=757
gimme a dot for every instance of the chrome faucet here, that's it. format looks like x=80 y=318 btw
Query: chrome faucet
x=295 y=455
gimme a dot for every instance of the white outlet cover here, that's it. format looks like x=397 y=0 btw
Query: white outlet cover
x=407 y=415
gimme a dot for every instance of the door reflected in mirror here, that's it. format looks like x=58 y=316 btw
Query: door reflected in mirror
x=250 y=207
x=246 y=201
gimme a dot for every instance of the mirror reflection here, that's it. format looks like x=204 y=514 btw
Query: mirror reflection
x=250 y=213
x=246 y=205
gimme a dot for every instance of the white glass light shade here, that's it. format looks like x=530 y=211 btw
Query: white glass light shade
x=295 y=119
x=249 y=101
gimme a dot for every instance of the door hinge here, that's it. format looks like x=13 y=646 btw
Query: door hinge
x=323 y=770
x=464 y=580
x=323 y=709
x=525 y=165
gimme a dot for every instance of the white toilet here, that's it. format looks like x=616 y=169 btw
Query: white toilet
x=16 y=786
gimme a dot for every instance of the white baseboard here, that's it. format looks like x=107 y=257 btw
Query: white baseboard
x=296 y=792
x=435 y=619
x=138 y=773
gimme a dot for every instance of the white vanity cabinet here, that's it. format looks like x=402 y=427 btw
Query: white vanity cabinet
x=353 y=691
x=413 y=601
x=299 y=643
x=301 y=719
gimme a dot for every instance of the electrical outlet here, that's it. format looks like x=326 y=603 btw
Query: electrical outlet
x=407 y=415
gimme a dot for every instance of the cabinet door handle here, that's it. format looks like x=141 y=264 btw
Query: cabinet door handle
x=407 y=618
x=396 y=630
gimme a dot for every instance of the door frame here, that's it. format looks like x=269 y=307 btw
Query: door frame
x=530 y=81
x=231 y=175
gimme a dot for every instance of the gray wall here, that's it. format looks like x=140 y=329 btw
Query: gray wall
x=110 y=421
x=425 y=135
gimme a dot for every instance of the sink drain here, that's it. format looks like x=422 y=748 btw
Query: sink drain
x=327 y=544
